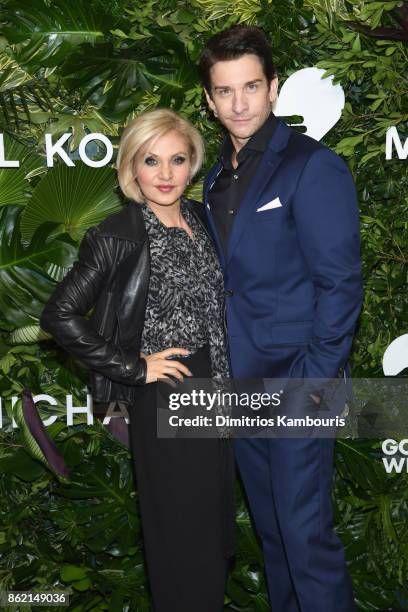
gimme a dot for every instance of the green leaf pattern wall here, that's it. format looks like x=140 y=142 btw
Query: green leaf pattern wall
x=90 y=66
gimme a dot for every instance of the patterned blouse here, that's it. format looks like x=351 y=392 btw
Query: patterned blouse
x=185 y=301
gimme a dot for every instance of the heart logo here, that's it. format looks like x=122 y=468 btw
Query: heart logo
x=317 y=100
x=395 y=358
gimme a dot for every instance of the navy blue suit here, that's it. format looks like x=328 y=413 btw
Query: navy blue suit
x=293 y=296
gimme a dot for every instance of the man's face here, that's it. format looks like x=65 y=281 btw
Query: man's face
x=241 y=96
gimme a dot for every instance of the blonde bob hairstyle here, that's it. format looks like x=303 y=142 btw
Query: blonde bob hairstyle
x=140 y=133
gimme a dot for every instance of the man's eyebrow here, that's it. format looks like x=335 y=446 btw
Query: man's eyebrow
x=245 y=84
x=253 y=81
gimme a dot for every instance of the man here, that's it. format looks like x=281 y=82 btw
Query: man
x=282 y=209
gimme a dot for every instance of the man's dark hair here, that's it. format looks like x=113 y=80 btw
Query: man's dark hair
x=232 y=44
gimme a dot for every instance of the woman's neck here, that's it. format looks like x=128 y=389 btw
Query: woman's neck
x=169 y=215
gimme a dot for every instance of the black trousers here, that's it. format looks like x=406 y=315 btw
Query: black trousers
x=185 y=489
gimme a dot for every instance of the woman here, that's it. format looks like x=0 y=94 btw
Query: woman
x=151 y=274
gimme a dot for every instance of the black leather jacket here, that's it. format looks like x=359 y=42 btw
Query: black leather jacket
x=111 y=275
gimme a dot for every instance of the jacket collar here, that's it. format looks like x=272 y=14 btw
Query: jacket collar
x=127 y=224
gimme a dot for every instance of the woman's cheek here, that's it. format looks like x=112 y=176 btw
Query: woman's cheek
x=146 y=177
x=184 y=174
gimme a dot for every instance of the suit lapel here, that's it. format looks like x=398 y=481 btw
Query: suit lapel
x=207 y=186
x=267 y=167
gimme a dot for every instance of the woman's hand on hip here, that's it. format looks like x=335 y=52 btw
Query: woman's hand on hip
x=159 y=366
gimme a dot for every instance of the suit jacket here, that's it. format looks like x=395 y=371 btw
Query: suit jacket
x=292 y=271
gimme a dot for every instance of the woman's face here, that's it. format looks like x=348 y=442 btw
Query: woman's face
x=163 y=169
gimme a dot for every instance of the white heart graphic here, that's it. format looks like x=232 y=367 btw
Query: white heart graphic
x=317 y=100
x=396 y=356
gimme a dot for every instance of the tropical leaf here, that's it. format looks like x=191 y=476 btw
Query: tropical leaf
x=30 y=443
x=115 y=79
x=27 y=335
x=108 y=488
x=79 y=124
x=195 y=191
x=138 y=63
x=246 y=10
x=24 y=285
x=73 y=197
x=12 y=75
x=25 y=101
x=44 y=33
x=56 y=272
x=172 y=82
x=22 y=464
x=14 y=186
x=372 y=511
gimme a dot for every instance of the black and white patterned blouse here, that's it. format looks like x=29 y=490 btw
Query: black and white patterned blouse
x=186 y=291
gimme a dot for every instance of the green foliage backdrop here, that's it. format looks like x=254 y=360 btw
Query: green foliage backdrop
x=90 y=66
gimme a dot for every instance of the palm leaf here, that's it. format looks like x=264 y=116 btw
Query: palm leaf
x=56 y=272
x=75 y=198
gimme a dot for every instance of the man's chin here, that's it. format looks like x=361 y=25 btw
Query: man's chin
x=244 y=131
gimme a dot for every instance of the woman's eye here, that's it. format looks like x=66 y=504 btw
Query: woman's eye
x=150 y=161
x=179 y=160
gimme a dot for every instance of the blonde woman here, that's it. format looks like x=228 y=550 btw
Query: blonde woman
x=152 y=277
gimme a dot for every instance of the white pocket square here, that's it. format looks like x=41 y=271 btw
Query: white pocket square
x=275 y=203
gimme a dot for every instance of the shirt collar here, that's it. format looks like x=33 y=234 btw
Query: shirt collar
x=258 y=142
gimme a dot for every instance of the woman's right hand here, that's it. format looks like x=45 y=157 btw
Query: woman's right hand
x=158 y=366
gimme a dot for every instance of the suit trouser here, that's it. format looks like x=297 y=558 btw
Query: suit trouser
x=288 y=482
x=183 y=486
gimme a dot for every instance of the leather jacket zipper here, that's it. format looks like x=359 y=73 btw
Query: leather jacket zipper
x=102 y=325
